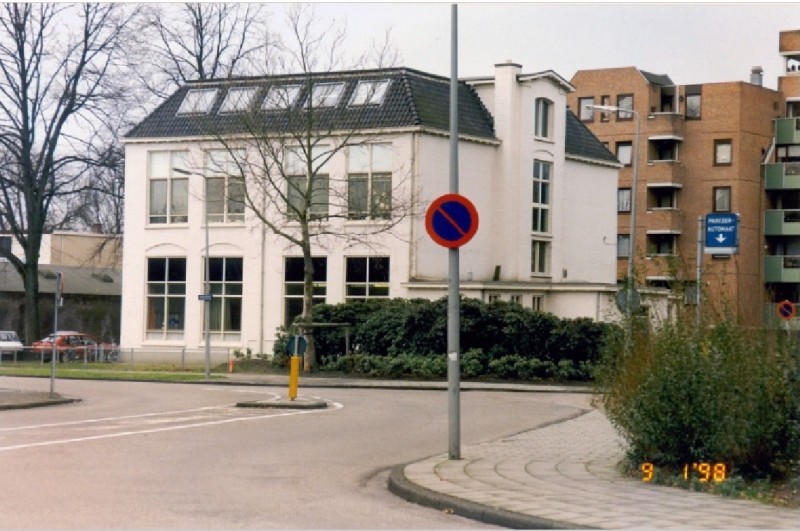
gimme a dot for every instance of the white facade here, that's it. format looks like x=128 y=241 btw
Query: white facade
x=496 y=175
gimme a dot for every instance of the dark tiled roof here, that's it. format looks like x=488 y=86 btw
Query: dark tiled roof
x=581 y=142
x=661 y=80
x=413 y=99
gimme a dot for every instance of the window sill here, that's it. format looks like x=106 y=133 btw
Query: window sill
x=544 y=139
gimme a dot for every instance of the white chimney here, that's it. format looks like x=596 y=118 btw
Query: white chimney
x=756 y=75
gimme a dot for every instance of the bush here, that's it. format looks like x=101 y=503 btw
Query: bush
x=724 y=395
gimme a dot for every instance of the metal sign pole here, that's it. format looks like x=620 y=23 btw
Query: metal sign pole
x=56 y=302
x=699 y=286
x=453 y=302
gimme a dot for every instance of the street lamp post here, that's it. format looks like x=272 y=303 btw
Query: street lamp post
x=207 y=286
x=632 y=230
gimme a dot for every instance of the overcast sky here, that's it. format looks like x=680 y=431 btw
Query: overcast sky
x=692 y=43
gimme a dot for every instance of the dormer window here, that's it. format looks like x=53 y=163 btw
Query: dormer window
x=369 y=92
x=198 y=101
x=238 y=99
x=281 y=97
x=326 y=94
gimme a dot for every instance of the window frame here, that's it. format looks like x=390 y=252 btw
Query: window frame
x=629 y=145
x=319 y=290
x=584 y=108
x=693 y=93
x=163 y=293
x=198 y=101
x=175 y=181
x=727 y=191
x=326 y=95
x=281 y=97
x=540 y=257
x=231 y=181
x=372 y=289
x=544 y=116
x=226 y=291
x=240 y=103
x=625 y=113
x=721 y=143
x=605 y=100
x=373 y=95
x=296 y=175
x=540 y=198
x=621 y=193
x=375 y=196
x=623 y=252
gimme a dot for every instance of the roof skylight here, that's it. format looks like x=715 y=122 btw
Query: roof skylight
x=326 y=94
x=198 y=101
x=370 y=92
x=281 y=97
x=238 y=99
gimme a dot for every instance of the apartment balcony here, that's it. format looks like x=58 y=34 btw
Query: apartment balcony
x=782 y=268
x=665 y=123
x=664 y=220
x=787 y=131
x=782 y=176
x=664 y=172
x=782 y=222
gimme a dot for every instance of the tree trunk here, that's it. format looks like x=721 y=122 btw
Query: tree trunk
x=310 y=358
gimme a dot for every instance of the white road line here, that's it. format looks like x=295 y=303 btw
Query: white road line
x=333 y=405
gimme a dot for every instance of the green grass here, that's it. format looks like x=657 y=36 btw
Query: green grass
x=105 y=371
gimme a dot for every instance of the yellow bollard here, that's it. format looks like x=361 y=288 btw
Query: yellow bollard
x=294 y=375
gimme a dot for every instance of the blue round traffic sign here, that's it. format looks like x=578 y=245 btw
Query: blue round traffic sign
x=451 y=220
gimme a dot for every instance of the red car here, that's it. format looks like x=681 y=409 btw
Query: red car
x=71 y=346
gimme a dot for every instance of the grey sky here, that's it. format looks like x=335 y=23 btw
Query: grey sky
x=692 y=43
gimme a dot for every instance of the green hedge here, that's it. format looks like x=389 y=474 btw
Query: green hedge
x=498 y=340
x=721 y=395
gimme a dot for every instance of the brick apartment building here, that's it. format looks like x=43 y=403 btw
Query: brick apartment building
x=701 y=150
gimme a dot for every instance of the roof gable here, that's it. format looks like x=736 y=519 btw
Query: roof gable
x=580 y=142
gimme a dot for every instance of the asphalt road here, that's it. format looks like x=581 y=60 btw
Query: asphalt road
x=143 y=455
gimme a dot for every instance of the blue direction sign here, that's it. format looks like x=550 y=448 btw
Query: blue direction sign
x=722 y=233
x=451 y=220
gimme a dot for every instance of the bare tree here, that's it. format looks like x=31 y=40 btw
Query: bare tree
x=279 y=163
x=197 y=41
x=54 y=84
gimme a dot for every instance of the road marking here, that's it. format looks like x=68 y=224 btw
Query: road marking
x=332 y=406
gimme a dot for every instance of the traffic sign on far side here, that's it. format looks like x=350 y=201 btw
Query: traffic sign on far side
x=451 y=220
x=722 y=233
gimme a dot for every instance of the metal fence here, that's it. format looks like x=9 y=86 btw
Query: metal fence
x=182 y=357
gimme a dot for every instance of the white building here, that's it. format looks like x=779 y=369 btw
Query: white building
x=543 y=185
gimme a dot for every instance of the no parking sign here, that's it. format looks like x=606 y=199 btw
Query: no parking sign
x=451 y=220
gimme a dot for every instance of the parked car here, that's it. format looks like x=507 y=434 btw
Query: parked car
x=10 y=345
x=71 y=346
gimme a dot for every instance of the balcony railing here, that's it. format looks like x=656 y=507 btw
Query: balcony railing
x=787 y=131
x=664 y=219
x=782 y=176
x=665 y=123
x=782 y=268
x=664 y=172
x=782 y=222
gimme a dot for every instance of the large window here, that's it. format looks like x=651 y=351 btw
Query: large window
x=586 y=109
x=367 y=278
x=722 y=199
x=693 y=102
x=225 y=282
x=369 y=92
x=624 y=200
x=541 y=196
x=281 y=97
x=198 y=101
x=543 y=118
x=225 y=192
x=238 y=99
x=540 y=257
x=166 y=297
x=723 y=152
x=369 y=181
x=661 y=244
x=625 y=102
x=326 y=94
x=168 y=180
x=623 y=245
x=624 y=152
x=305 y=203
x=293 y=286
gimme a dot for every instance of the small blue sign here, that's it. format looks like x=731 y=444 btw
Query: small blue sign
x=296 y=346
x=722 y=233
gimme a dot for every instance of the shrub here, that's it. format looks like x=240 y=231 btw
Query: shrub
x=723 y=395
